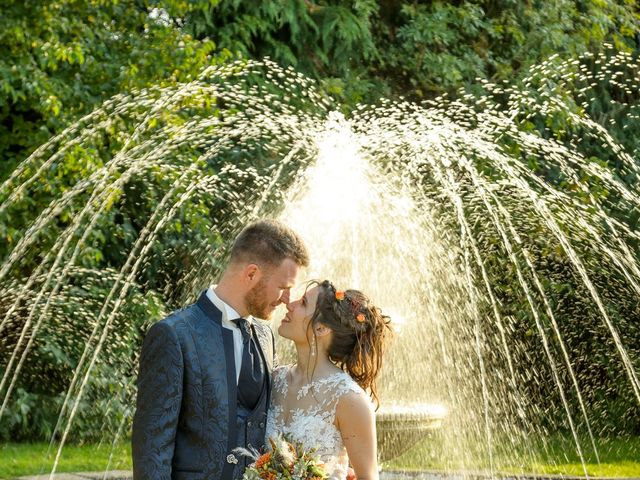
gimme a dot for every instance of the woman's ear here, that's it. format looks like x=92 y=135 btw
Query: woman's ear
x=322 y=330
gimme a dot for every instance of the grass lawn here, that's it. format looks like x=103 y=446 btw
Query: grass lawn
x=619 y=457
x=17 y=459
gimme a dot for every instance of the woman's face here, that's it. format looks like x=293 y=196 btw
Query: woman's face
x=294 y=324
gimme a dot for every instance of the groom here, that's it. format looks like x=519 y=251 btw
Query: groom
x=205 y=371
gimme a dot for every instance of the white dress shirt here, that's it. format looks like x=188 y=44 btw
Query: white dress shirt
x=228 y=314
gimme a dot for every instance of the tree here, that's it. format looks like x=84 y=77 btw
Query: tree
x=362 y=49
x=61 y=58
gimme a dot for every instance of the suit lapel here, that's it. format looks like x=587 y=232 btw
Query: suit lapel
x=230 y=372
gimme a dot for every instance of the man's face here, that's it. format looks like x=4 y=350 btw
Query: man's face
x=273 y=288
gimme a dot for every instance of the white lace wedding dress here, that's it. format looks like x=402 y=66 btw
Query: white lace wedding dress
x=312 y=422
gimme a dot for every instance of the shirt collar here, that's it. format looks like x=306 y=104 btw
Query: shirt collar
x=228 y=312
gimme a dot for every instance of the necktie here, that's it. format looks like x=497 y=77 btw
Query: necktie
x=252 y=374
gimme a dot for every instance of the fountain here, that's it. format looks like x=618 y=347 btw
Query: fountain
x=484 y=240
x=399 y=428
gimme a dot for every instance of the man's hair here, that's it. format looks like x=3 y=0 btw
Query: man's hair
x=269 y=242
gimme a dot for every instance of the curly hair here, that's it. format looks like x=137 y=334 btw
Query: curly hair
x=360 y=331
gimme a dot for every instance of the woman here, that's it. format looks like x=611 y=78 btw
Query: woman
x=321 y=400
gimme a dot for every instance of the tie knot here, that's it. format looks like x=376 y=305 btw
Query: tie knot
x=243 y=325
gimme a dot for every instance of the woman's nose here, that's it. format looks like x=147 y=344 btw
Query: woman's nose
x=284 y=298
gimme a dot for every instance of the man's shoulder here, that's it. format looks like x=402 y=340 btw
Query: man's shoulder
x=182 y=316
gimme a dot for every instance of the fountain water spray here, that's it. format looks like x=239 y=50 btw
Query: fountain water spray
x=461 y=220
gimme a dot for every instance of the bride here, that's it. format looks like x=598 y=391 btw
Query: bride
x=322 y=400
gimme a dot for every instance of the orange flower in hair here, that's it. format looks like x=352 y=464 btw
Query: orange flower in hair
x=339 y=295
x=360 y=317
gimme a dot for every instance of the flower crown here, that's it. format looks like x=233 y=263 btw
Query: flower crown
x=355 y=305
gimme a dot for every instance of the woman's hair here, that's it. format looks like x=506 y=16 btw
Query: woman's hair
x=360 y=331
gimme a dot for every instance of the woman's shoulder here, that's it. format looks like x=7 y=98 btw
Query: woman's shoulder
x=355 y=408
x=345 y=384
x=350 y=393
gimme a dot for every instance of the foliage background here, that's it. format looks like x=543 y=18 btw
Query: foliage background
x=63 y=58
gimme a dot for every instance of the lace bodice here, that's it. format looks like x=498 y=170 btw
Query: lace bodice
x=311 y=422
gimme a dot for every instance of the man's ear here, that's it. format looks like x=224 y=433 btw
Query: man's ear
x=251 y=273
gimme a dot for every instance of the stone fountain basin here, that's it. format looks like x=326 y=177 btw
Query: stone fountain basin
x=400 y=427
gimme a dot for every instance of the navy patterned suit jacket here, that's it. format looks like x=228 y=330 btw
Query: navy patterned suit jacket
x=185 y=425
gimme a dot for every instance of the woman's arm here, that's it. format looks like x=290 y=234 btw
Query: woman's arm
x=356 y=421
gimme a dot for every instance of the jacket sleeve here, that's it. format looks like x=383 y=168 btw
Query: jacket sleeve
x=158 y=404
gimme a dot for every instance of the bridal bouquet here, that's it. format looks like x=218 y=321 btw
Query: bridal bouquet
x=286 y=461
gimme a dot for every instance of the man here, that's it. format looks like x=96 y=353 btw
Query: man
x=205 y=371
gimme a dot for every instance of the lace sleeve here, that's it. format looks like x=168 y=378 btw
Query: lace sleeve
x=332 y=389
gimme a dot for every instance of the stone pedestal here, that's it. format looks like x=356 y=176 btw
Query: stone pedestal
x=401 y=427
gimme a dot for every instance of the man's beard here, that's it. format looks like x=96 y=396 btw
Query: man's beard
x=257 y=303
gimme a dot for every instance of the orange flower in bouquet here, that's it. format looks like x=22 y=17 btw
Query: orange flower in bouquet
x=286 y=461
x=263 y=460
